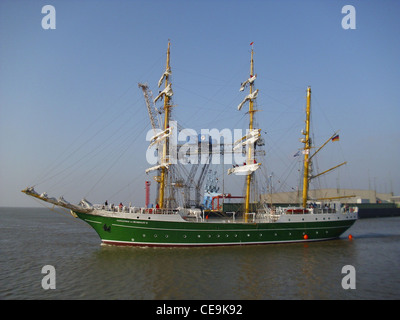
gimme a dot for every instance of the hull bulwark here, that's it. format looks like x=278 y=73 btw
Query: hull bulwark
x=152 y=232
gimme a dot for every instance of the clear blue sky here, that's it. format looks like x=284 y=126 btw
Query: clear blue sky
x=73 y=121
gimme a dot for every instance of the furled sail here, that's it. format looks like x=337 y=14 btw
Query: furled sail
x=248 y=81
x=159 y=166
x=164 y=76
x=245 y=169
x=249 y=138
x=167 y=91
x=159 y=137
x=250 y=96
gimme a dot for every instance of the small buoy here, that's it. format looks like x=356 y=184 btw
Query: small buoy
x=305 y=237
x=350 y=237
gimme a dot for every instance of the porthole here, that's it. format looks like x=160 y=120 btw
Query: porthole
x=198 y=236
x=184 y=236
x=144 y=236
x=155 y=236
x=166 y=236
x=209 y=235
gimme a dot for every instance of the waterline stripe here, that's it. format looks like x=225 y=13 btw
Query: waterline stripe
x=202 y=244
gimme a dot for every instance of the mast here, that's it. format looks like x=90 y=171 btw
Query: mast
x=250 y=149
x=249 y=140
x=164 y=159
x=307 y=147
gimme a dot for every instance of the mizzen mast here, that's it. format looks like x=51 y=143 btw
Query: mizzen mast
x=306 y=150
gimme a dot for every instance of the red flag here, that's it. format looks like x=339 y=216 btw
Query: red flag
x=252 y=43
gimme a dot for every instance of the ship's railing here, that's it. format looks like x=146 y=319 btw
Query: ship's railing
x=130 y=209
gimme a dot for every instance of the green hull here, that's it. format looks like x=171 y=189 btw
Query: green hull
x=140 y=232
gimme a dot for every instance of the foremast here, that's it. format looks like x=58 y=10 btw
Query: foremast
x=162 y=137
x=165 y=157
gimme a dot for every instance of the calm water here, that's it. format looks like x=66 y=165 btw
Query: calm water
x=31 y=238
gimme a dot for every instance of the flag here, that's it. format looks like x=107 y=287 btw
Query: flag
x=296 y=154
x=251 y=43
x=335 y=138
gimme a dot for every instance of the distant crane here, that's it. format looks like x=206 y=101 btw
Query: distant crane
x=151 y=109
x=154 y=120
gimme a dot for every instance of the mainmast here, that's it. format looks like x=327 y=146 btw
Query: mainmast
x=306 y=151
x=249 y=139
x=250 y=153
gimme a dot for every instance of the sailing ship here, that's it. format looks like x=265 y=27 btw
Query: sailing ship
x=171 y=225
